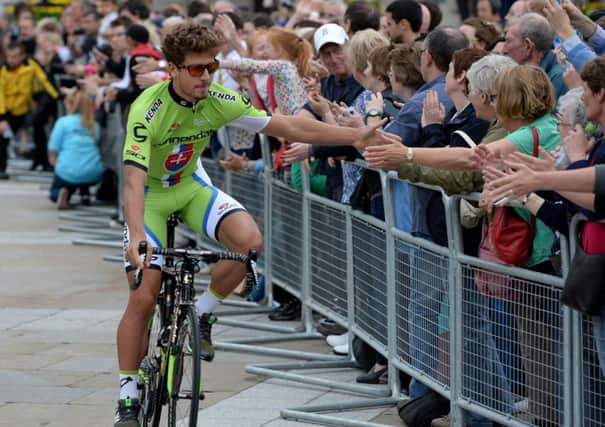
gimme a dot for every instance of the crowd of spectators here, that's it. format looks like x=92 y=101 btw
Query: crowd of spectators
x=466 y=102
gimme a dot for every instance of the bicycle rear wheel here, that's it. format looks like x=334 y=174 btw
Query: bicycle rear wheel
x=184 y=373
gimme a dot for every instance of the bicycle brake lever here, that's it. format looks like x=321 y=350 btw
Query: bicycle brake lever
x=138 y=274
x=251 y=273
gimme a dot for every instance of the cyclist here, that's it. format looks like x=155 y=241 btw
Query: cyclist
x=169 y=125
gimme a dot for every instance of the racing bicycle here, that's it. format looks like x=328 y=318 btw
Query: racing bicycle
x=170 y=372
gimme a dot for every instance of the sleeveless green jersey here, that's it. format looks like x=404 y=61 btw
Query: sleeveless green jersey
x=166 y=134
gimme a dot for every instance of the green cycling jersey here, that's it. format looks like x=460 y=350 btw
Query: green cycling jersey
x=166 y=134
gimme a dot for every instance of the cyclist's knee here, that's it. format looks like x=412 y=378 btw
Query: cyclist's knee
x=240 y=233
x=143 y=300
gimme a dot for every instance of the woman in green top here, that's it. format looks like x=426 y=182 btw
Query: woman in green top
x=523 y=98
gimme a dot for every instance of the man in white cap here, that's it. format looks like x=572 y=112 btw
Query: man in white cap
x=340 y=86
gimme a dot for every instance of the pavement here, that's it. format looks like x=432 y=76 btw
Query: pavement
x=59 y=308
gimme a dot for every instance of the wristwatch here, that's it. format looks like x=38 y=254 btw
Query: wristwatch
x=410 y=155
x=374 y=112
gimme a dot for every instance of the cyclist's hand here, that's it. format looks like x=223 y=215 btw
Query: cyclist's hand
x=132 y=254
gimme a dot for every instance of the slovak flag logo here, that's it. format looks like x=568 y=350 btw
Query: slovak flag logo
x=179 y=158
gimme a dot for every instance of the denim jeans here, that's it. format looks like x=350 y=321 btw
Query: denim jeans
x=484 y=380
x=599 y=338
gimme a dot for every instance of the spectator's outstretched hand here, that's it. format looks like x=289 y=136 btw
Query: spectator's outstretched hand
x=319 y=104
x=389 y=156
x=145 y=65
x=571 y=77
x=502 y=186
x=577 y=145
x=345 y=116
x=234 y=162
x=148 y=79
x=480 y=156
x=539 y=164
x=297 y=152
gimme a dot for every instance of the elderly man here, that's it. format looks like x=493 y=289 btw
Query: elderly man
x=529 y=40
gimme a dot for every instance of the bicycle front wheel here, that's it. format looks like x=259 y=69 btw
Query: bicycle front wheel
x=184 y=373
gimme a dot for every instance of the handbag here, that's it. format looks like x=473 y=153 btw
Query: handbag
x=511 y=236
x=490 y=283
x=585 y=283
x=506 y=239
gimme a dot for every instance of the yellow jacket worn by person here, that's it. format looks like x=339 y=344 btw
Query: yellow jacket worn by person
x=17 y=86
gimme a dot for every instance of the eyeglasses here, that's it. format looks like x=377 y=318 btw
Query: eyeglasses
x=493 y=97
x=197 y=70
x=390 y=74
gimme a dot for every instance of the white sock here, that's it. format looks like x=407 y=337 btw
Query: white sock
x=128 y=386
x=208 y=301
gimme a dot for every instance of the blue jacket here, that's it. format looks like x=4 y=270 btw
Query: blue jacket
x=78 y=156
x=579 y=53
x=407 y=126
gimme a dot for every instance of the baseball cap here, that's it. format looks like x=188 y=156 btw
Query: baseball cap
x=329 y=33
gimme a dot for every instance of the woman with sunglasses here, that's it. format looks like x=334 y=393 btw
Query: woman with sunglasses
x=169 y=125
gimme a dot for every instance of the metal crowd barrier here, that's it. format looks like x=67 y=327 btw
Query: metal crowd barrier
x=518 y=360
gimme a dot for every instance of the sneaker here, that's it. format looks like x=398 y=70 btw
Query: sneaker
x=127 y=414
x=341 y=350
x=337 y=340
x=63 y=199
x=206 y=349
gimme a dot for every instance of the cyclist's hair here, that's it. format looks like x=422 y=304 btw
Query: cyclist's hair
x=299 y=50
x=187 y=38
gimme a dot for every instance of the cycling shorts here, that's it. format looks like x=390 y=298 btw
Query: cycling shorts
x=201 y=205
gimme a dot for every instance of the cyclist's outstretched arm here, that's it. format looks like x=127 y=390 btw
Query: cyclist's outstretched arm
x=134 y=202
x=303 y=129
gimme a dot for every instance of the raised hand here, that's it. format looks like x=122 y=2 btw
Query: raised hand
x=432 y=110
x=318 y=104
x=571 y=77
x=577 y=145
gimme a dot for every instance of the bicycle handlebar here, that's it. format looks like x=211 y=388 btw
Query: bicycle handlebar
x=206 y=256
